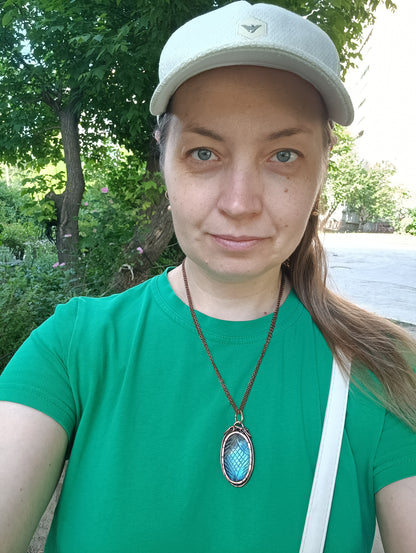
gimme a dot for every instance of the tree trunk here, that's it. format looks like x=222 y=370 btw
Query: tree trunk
x=157 y=237
x=68 y=203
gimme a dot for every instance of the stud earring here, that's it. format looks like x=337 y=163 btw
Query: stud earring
x=315 y=211
x=167 y=197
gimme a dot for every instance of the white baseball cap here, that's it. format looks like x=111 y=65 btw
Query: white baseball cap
x=259 y=34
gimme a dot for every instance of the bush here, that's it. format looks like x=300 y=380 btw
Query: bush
x=408 y=223
x=18 y=237
x=10 y=203
x=119 y=197
x=105 y=229
x=29 y=293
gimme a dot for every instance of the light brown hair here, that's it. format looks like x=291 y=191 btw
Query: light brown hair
x=374 y=344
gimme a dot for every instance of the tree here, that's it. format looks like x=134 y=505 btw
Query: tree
x=372 y=195
x=408 y=221
x=343 y=20
x=73 y=74
x=360 y=187
x=76 y=74
x=342 y=172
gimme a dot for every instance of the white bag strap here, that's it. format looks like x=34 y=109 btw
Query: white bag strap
x=320 y=501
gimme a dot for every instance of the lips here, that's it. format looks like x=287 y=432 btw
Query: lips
x=237 y=243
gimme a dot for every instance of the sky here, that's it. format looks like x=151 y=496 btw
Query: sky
x=388 y=115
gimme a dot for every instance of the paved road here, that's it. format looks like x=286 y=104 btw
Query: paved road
x=376 y=271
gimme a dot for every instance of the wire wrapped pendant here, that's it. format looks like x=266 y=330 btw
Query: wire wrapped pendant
x=237 y=455
x=237 y=452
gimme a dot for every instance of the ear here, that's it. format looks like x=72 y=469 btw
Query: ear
x=317 y=203
x=315 y=210
x=333 y=142
x=157 y=136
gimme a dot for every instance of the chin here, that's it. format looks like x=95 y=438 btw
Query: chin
x=240 y=270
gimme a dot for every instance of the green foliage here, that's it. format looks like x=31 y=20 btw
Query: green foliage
x=9 y=207
x=18 y=236
x=99 y=59
x=12 y=202
x=343 y=168
x=29 y=293
x=17 y=230
x=343 y=20
x=30 y=289
x=372 y=194
x=36 y=186
x=364 y=189
x=6 y=256
x=95 y=59
x=105 y=231
x=120 y=198
x=408 y=222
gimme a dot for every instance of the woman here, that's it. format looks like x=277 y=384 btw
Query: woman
x=154 y=393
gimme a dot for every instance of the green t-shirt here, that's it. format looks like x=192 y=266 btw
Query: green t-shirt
x=129 y=380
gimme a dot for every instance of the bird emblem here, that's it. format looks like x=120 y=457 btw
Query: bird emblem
x=251 y=28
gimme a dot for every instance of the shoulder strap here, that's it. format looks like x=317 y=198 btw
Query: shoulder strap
x=320 y=501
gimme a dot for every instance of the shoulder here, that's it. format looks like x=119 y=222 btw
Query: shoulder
x=93 y=311
x=84 y=323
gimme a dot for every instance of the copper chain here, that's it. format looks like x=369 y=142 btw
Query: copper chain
x=237 y=410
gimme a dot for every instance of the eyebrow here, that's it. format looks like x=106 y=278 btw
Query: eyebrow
x=203 y=131
x=290 y=131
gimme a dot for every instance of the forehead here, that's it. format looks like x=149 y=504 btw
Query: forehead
x=237 y=89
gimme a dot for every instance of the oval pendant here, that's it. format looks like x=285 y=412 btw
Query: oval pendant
x=237 y=455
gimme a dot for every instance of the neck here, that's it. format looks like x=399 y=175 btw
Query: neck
x=228 y=299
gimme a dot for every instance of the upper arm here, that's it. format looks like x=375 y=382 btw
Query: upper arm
x=32 y=451
x=396 y=512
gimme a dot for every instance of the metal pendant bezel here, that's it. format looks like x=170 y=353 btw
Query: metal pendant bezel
x=242 y=431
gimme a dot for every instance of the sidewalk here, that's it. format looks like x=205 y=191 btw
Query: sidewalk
x=375 y=271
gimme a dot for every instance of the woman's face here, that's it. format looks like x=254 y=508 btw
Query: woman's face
x=244 y=163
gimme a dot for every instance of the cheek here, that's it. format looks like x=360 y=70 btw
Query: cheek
x=189 y=198
x=186 y=209
x=297 y=198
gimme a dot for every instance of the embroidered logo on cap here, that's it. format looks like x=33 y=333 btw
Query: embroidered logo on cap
x=252 y=28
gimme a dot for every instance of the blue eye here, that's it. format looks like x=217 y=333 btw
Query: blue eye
x=203 y=154
x=286 y=156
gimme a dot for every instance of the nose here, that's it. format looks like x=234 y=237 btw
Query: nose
x=241 y=192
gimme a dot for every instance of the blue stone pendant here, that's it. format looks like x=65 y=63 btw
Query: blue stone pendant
x=237 y=455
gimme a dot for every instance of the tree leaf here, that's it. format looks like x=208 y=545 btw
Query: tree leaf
x=8 y=18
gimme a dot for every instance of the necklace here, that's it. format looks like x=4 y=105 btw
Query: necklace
x=237 y=451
